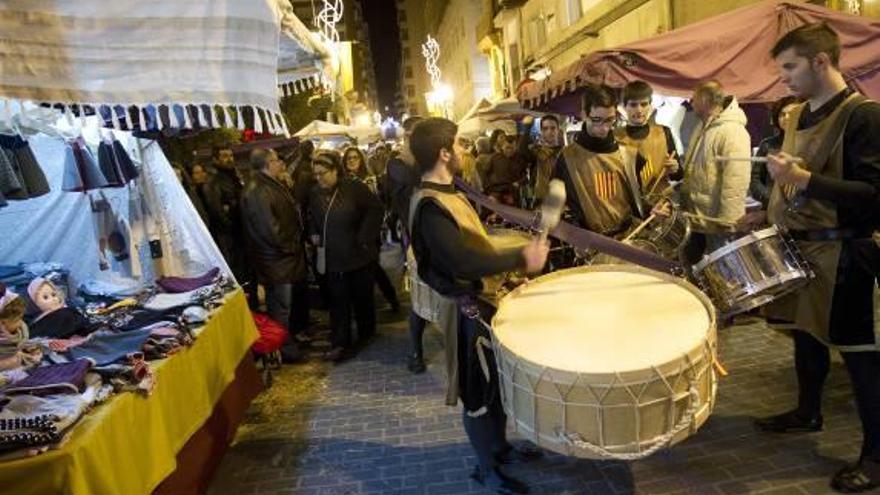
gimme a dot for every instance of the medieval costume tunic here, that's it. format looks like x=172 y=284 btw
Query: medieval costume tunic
x=832 y=221
x=454 y=253
x=601 y=184
x=655 y=143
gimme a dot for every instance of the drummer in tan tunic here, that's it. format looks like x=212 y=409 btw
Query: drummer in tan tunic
x=453 y=253
x=600 y=176
x=827 y=194
x=653 y=141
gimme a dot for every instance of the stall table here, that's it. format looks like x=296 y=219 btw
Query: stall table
x=134 y=444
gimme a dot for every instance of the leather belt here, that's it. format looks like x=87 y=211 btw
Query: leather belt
x=829 y=234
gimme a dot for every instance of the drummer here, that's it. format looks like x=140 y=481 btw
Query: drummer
x=600 y=176
x=827 y=194
x=453 y=252
x=641 y=135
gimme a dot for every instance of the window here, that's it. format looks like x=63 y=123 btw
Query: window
x=408 y=73
x=411 y=91
x=406 y=53
x=404 y=35
x=575 y=11
x=401 y=16
x=537 y=33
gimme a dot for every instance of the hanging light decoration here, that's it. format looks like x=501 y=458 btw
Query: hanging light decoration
x=431 y=52
x=328 y=17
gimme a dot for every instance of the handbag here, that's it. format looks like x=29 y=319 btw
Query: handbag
x=321 y=255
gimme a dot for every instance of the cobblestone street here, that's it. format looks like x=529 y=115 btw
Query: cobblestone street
x=369 y=427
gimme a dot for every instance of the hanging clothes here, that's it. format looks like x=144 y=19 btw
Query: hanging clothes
x=115 y=164
x=81 y=173
x=18 y=156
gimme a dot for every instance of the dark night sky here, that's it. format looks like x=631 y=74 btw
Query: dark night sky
x=381 y=16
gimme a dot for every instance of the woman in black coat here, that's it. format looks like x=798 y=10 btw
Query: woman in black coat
x=357 y=170
x=345 y=218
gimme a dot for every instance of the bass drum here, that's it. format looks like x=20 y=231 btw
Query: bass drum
x=583 y=374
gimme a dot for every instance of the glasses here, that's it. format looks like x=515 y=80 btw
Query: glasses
x=321 y=173
x=605 y=121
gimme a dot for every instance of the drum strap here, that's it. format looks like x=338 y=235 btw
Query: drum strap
x=579 y=238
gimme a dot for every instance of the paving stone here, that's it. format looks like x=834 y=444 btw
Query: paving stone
x=367 y=426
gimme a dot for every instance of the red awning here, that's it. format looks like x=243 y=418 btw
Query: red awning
x=732 y=48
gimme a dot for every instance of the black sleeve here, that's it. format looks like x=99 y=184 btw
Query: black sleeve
x=670 y=148
x=571 y=199
x=371 y=221
x=261 y=215
x=860 y=186
x=453 y=254
x=316 y=213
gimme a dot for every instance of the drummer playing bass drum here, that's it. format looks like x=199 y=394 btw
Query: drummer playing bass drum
x=827 y=194
x=453 y=253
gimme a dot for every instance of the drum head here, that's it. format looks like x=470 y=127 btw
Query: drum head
x=603 y=320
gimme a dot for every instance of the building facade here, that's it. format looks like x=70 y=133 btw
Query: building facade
x=463 y=65
x=353 y=29
x=414 y=81
x=536 y=37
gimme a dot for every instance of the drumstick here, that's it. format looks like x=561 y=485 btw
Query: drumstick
x=752 y=159
x=710 y=219
x=640 y=227
x=551 y=208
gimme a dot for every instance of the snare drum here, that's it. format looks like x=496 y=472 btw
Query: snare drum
x=668 y=235
x=752 y=271
x=583 y=374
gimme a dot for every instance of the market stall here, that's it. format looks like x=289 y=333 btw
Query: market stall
x=125 y=361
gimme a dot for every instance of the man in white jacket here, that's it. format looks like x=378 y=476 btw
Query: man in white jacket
x=713 y=191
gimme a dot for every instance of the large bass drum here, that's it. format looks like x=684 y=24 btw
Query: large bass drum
x=583 y=374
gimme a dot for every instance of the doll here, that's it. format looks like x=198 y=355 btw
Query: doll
x=12 y=308
x=55 y=320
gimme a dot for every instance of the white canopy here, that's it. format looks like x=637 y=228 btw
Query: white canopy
x=133 y=53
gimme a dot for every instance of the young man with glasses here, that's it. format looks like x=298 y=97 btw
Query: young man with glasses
x=599 y=175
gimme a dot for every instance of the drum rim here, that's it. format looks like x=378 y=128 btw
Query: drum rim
x=710 y=339
x=750 y=238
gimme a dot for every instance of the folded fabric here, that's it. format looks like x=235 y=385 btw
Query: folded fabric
x=125 y=303
x=186 y=284
x=61 y=324
x=7 y=271
x=106 y=348
x=167 y=301
x=114 y=286
x=53 y=379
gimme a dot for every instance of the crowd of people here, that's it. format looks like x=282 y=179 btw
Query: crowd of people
x=327 y=213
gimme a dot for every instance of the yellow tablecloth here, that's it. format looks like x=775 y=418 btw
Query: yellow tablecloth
x=128 y=445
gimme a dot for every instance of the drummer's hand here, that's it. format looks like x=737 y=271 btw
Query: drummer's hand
x=670 y=166
x=786 y=170
x=662 y=209
x=535 y=254
x=751 y=221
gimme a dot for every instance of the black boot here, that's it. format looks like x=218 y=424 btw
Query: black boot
x=499 y=482
x=790 y=422
x=416 y=364
x=518 y=454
